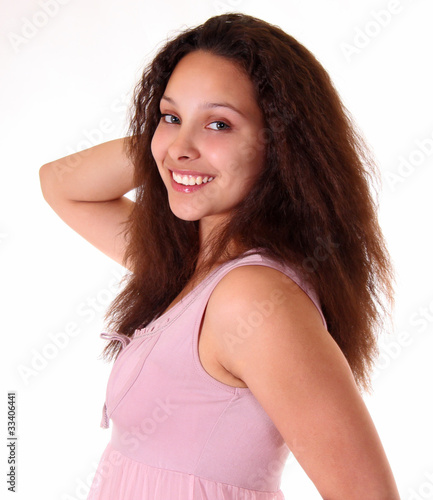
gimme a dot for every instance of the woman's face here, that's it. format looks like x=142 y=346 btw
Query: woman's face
x=207 y=144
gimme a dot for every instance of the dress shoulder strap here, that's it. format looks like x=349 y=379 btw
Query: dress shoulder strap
x=257 y=259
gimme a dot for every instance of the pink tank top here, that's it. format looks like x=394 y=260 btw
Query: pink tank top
x=178 y=433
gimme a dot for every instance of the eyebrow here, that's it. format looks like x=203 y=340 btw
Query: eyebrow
x=209 y=105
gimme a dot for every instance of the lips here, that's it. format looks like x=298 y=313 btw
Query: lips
x=189 y=182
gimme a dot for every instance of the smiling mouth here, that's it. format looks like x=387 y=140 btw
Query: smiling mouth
x=191 y=180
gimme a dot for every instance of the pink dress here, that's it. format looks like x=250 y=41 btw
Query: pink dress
x=177 y=432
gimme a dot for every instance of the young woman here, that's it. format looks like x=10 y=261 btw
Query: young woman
x=258 y=274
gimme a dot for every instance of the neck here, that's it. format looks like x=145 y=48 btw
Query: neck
x=207 y=227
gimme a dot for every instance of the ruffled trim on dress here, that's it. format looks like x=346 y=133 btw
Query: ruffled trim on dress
x=124 y=340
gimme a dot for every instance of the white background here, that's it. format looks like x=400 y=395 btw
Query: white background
x=66 y=79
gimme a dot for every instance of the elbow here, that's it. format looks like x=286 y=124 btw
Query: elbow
x=48 y=181
x=44 y=179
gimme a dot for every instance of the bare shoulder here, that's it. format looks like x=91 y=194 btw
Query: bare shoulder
x=255 y=306
x=254 y=295
x=257 y=311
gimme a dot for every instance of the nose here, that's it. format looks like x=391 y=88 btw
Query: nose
x=183 y=147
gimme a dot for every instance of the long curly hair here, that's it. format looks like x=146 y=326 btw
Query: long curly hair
x=312 y=206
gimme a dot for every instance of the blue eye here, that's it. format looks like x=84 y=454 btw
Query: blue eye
x=220 y=125
x=170 y=119
x=174 y=120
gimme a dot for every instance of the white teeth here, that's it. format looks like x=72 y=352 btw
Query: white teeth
x=190 y=180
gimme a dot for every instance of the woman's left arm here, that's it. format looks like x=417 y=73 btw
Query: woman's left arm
x=301 y=378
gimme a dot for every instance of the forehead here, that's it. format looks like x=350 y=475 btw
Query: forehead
x=202 y=75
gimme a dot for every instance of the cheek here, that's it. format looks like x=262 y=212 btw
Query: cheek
x=158 y=145
x=246 y=161
x=226 y=154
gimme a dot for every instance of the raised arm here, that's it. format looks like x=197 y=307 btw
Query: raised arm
x=87 y=189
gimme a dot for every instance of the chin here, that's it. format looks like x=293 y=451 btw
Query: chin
x=186 y=213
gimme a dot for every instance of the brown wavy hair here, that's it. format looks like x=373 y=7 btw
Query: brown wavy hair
x=314 y=192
